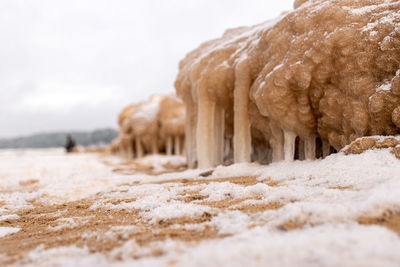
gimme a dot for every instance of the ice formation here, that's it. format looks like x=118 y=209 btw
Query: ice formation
x=314 y=79
x=151 y=127
x=145 y=126
x=125 y=135
x=172 y=121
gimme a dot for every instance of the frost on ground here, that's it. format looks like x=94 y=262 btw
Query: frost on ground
x=7 y=230
x=92 y=209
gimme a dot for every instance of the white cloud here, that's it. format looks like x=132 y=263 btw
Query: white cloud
x=56 y=97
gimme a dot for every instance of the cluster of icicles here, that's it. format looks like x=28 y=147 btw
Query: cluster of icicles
x=301 y=86
x=151 y=127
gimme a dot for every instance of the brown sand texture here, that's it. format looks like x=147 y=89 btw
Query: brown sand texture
x=103 y=228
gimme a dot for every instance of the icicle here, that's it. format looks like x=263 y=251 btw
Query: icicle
x=219 y=135
x=256 y=153
x=227 y=148
x=130 y=150
x=177 y=145
x=139 y=148
x=325 y=148
x=302 y=155
x=205 y=130
x=260 y=153
x=154 y=146
x=183 y=150
x=190 y=132
x=309 y=147
x=277 y=150
x=134 y=154
x=276 y=143
x=241 y=133
x=268 y=150
x=169 y=145
x=289 y=145
x=269 y=155
x=124 y=148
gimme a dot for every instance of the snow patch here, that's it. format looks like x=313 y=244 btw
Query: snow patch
x=9 y=217
x=176 y=210
x=7 y=230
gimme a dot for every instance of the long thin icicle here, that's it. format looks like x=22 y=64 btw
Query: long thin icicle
x=139 y=148
x=130 y=150
x=269 y=155
x=325 y=148
x=309 y=147
x=219 y=135
x=289 y=145
x=242 y=134
x=205 y=130
x=154 y=146
x=301 y=148
x=177 y=145
x=190 y=132
x=183 y=150
x=169 y=145
x=228 y=148
x=260 y=153
x=276 y=143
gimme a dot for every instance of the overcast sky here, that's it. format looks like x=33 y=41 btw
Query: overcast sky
x=74 y=64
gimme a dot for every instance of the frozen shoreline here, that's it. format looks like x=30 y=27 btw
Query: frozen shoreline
x=323 y=199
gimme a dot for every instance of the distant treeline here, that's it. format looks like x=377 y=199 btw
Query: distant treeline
x=44 y=140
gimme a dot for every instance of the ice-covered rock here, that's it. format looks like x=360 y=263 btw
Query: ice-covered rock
x=320 y=75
